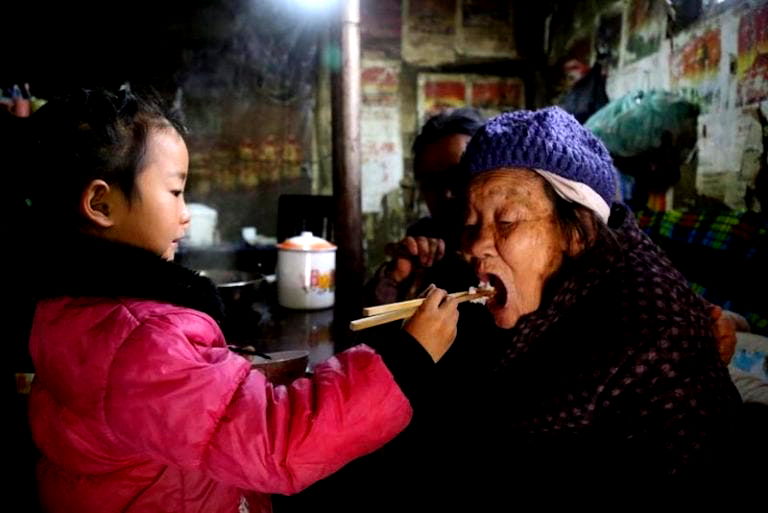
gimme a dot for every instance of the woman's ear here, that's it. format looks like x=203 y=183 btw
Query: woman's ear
x=96 y=203
x=572 y=243
x=577 y=240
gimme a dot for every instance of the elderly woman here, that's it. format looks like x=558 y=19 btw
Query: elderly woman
x=602 y=362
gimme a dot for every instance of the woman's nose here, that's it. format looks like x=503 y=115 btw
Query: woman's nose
x=480 y=242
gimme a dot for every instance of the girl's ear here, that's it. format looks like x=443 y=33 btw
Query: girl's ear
x=96 y=203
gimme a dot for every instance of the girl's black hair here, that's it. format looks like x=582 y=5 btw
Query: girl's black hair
x=463 y=120
x=84 y=136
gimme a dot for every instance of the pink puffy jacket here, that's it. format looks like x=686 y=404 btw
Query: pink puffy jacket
x=138 y=406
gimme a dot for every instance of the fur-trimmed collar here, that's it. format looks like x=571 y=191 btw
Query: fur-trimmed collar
x=95 y=267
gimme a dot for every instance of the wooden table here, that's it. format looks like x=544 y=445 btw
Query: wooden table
x=274 y=328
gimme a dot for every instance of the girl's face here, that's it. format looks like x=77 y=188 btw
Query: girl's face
x=156 y=217
x=513 y=239
x=436 y=169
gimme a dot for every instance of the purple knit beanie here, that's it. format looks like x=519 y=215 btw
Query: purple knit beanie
x=548 y=139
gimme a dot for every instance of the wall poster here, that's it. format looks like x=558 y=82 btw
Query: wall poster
x=696 y=65
x=380 y=138
x=491 y=95
x=752 y=68
x=438 y=92
x=646 y=23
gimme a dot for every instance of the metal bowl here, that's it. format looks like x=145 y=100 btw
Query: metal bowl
x=239 y=291
x=283 y=367
x=226 y=279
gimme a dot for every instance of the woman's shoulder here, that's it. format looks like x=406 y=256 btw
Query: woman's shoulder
x=651 y=288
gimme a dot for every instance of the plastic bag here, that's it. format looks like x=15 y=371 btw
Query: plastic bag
x=637 y=122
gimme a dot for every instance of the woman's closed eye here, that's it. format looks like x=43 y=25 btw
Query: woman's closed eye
x=177 y=192
x=506 y=225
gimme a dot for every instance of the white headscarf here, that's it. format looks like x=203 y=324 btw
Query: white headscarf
x=577 y=192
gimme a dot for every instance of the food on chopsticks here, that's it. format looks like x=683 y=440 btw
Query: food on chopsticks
x=382 y=314
x=487 y=290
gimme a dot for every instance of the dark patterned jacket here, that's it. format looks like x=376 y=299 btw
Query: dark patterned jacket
x=615 y=379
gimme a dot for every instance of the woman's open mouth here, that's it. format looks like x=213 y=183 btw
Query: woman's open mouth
x=500 y=298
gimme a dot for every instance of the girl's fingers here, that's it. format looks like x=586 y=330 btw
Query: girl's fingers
x=434 y=247
x=423 y=251
x=411 y=245
x=440 y=252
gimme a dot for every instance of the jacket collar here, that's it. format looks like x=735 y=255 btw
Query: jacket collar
x=94 y=267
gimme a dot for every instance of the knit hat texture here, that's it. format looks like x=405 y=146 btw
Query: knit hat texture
x=548 y=139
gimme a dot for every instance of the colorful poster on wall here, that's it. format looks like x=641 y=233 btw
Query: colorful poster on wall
x=696 y=65
x=438 y=92
x=486 y=29
x=429 y=31
x=493 y=95
x=489 y=94
x=380 y=138
x=752 y=73
x=379 y=82
x=646 y=23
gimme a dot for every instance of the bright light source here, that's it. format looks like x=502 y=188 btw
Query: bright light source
x=315 y=4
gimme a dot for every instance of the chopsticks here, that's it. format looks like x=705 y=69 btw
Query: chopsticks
x=382 y=314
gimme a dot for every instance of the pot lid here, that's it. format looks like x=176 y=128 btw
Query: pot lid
x=306 y=242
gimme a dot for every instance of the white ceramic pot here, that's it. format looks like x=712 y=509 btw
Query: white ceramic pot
x=202 y=225
x=306 y=272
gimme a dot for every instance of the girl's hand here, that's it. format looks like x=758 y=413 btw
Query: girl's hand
x=434 y=323
x=412 y=254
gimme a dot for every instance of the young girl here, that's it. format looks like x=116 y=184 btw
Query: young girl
x=137 y=404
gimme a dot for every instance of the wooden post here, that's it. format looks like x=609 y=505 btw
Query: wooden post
x=346 y=97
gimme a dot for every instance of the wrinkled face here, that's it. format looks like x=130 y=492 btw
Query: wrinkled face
x=437 y=170
x=156 y=217
x=513 y=239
